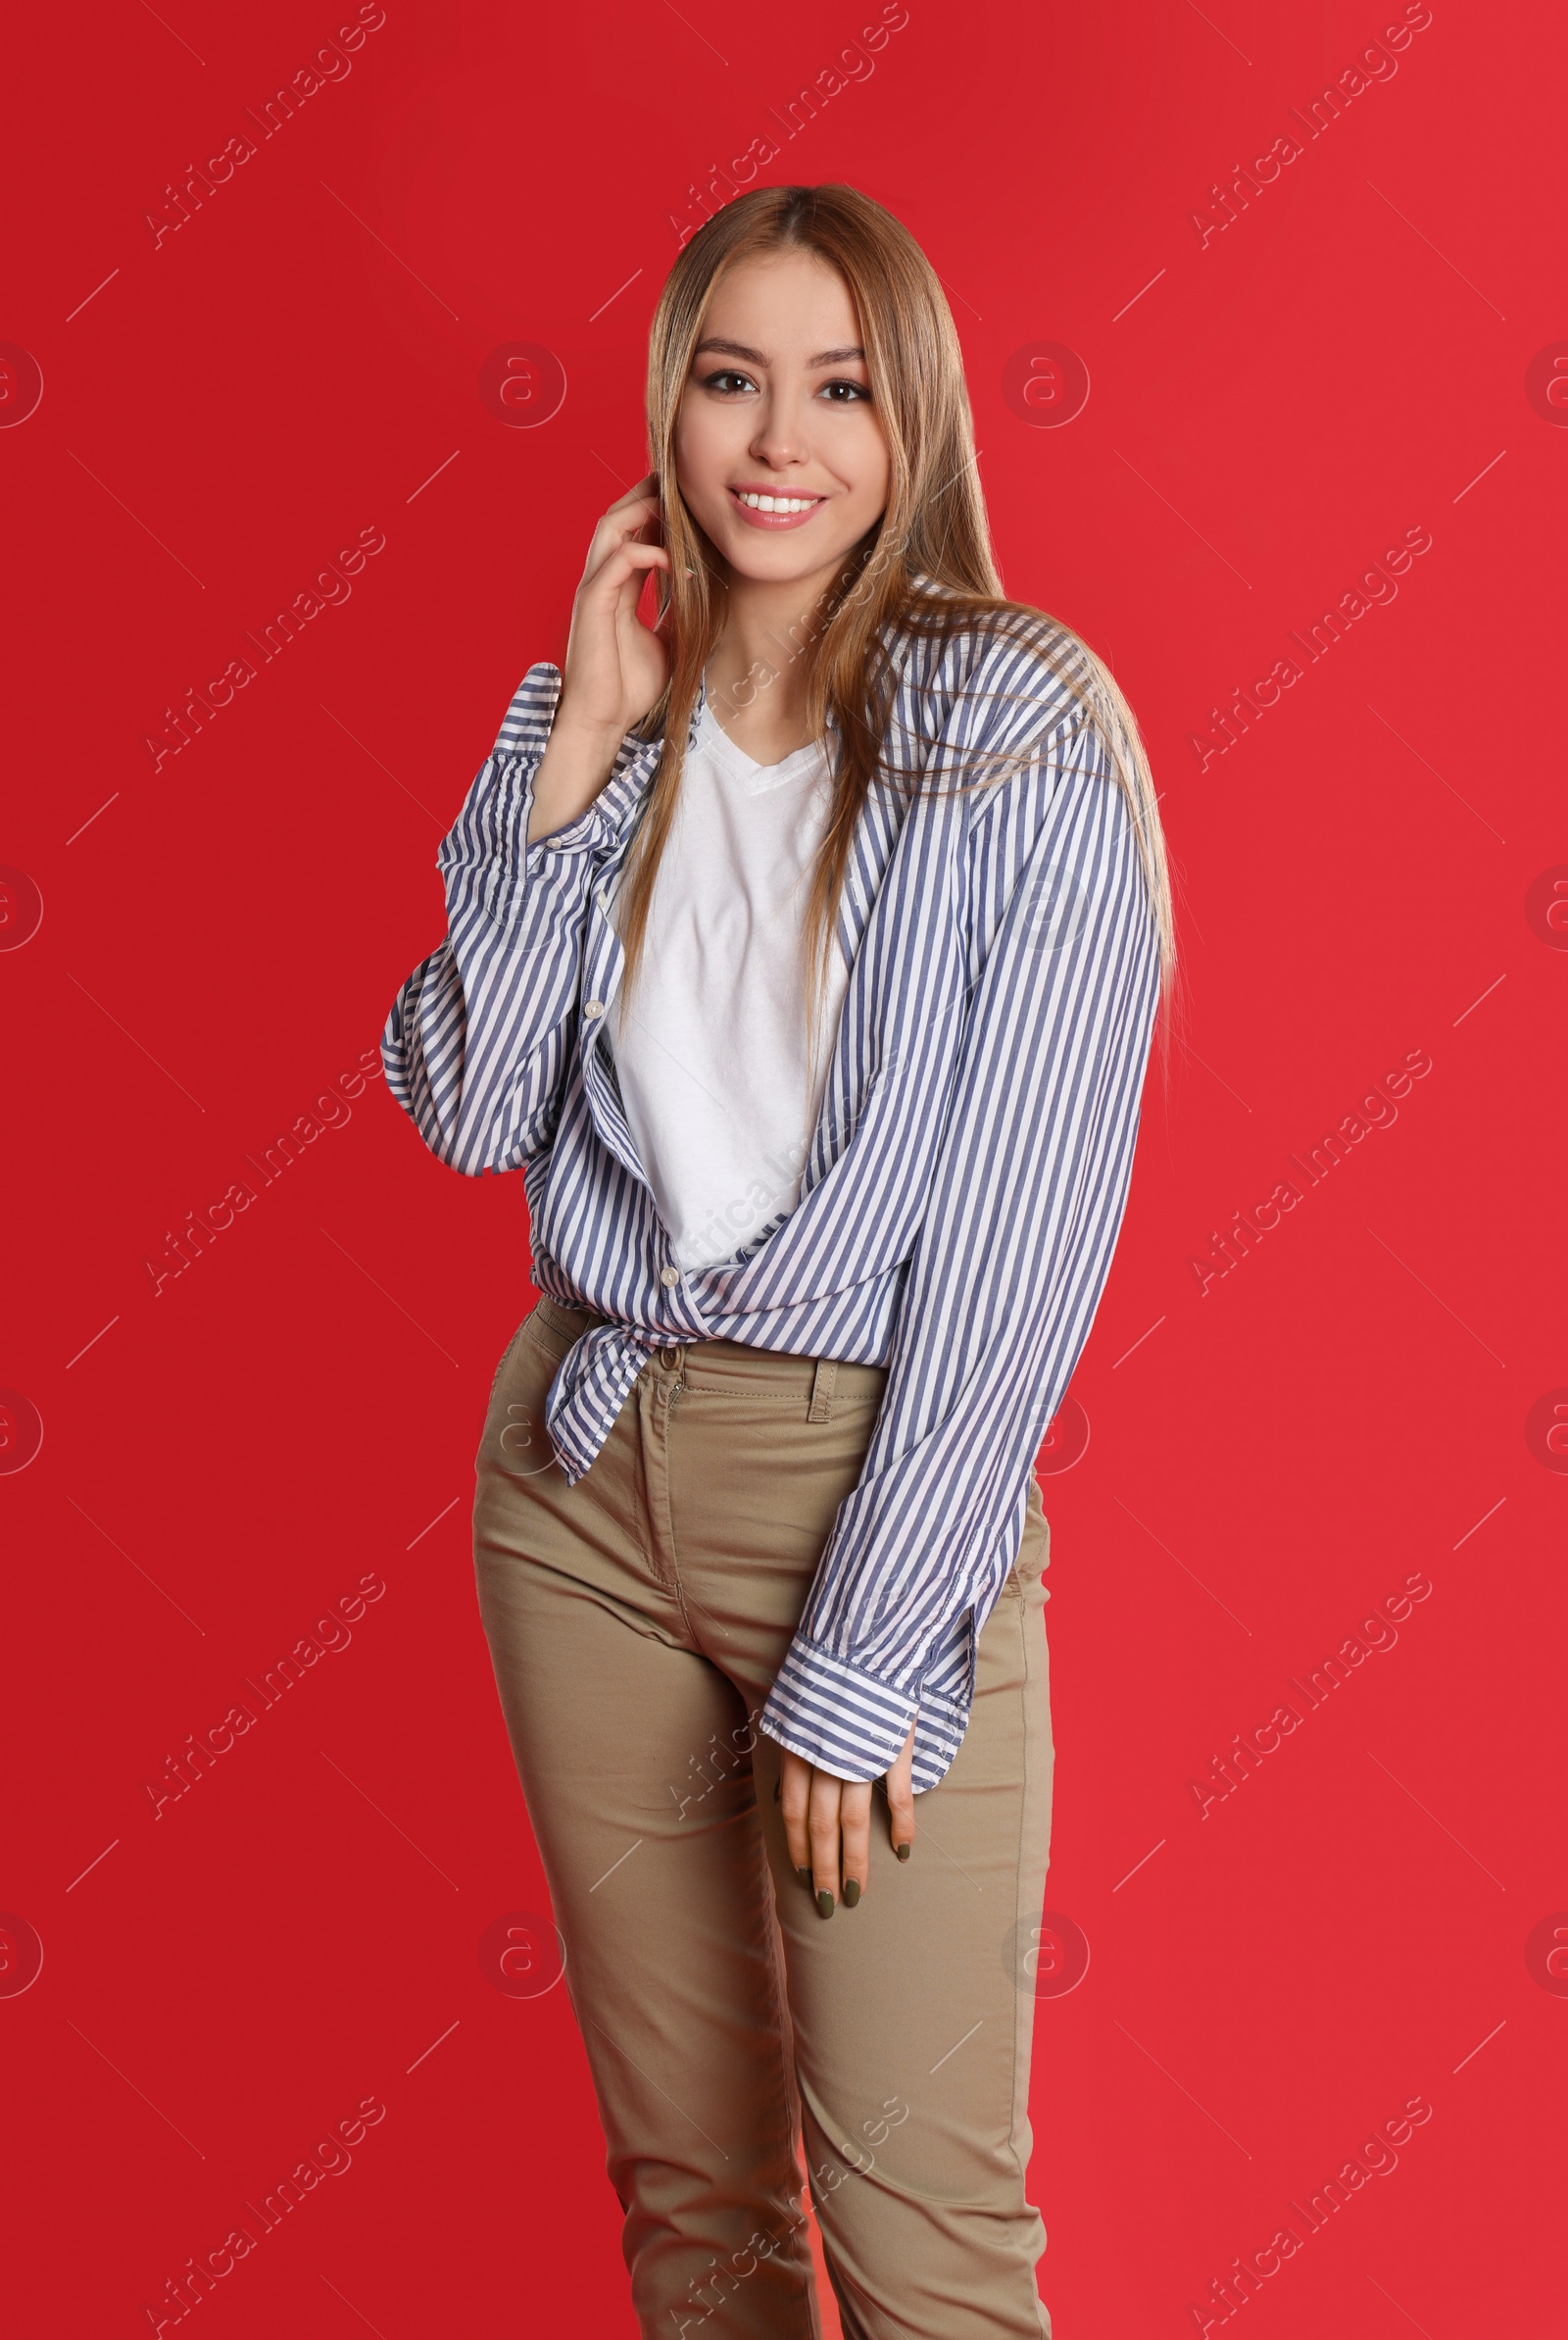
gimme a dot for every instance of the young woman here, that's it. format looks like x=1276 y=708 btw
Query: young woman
x=804 y=953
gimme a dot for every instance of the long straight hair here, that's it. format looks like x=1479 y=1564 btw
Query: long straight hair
x=934 y=532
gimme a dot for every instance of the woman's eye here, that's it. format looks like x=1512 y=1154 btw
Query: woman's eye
x=727 y=382
x=844 y=393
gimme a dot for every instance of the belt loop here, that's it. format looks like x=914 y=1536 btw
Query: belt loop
x=822 y=1407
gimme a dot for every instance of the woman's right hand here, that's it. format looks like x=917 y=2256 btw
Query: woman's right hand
x=615 y=666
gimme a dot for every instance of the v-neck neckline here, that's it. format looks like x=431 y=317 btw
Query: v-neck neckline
x=734 y=759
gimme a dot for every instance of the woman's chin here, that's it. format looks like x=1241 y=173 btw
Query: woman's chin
x=779 y=560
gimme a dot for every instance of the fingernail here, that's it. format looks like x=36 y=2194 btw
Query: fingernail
x=904 y=1851
x=852 y=1892
x=804 y=1876
x=824 y=1904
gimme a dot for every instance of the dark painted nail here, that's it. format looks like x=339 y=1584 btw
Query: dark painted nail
x=804 y=1876
x=902 y=1851
x=824 y=1904
x=852 y=1892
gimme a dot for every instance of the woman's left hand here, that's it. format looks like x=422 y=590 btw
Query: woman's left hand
x=829 y=1824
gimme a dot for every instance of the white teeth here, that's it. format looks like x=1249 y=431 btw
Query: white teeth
x=758 y=503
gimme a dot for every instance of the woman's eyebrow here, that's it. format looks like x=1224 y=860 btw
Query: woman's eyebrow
x=754 y=356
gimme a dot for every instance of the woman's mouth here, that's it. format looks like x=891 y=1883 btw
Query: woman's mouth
x=767 y=508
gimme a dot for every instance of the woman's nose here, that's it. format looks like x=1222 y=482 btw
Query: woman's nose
x=779 y=438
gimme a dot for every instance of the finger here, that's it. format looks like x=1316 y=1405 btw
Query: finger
x=901 y=1816
x=794 y=1794
x=855 y=1818
x=901 y=1799
x=612 y=533
x=644 y=492
x=624 y=521
x=634 y=510
x=824 y=1826
x=617 y=569
x=633 y=515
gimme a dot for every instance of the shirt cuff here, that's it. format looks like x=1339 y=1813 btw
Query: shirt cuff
x=485 y=861
x=853 y=1726
x=577 y=835
x=525 y=734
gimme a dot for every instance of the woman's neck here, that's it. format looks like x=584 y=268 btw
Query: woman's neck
x=757 y=669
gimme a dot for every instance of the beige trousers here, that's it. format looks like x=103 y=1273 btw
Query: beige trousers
x=636 y=1622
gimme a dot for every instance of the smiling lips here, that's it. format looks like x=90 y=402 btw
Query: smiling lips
x=761 y=507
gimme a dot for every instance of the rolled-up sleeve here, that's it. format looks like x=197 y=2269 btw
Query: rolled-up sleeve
x=1031 y=1181
x=477 y=1045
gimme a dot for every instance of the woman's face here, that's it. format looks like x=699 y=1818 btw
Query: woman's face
x=778 y=412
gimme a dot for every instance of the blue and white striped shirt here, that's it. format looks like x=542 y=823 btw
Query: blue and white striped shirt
x=964 y=1185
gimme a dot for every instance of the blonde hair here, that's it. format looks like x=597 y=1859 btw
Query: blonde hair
x=934 y=528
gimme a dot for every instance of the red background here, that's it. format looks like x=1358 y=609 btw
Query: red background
x=222 y=935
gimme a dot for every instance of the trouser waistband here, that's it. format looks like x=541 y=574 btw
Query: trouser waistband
x=725 y=1364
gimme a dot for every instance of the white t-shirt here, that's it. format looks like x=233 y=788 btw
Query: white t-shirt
x=711 y=1058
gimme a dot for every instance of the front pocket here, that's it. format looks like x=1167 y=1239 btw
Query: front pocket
x=504 y=1355
x=552 y=1345
x=515 y=1438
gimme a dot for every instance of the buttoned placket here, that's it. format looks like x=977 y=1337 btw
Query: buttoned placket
x=672 y=1304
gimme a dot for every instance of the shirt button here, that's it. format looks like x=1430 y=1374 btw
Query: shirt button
x=669 y=1275
x=593 y=1007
